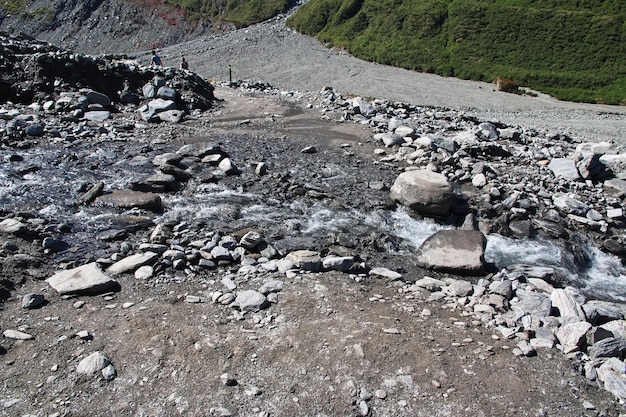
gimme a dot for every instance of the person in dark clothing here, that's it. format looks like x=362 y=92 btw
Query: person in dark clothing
x=184 y=65
x=155 y=60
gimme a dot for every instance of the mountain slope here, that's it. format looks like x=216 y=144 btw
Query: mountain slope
x=96 y=26
x=572 y=50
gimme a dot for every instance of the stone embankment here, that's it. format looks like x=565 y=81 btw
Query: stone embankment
x=477 y=178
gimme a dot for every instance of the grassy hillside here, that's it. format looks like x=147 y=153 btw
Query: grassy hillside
x=572 y=49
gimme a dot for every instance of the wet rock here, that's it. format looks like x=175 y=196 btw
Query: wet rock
x=126 y=199
x=156 y=183
x=178 y=173
x=457 y=251
x=91 y=194
x=424 y=191
x=86 y=279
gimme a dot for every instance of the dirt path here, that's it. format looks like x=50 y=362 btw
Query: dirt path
x=272 y=53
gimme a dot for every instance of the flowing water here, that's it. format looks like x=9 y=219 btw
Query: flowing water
x=51 y=189
x=603 y=277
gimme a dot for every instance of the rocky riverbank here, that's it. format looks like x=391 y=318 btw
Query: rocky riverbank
x=239 y=251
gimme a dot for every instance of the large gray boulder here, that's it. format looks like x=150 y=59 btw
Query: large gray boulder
x=457 y=251
x=424 y=191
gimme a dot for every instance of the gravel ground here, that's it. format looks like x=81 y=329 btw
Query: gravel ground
x=272 y=53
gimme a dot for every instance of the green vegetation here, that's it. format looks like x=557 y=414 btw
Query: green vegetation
x=13 y=6
x=240 y=12
x=572 y=49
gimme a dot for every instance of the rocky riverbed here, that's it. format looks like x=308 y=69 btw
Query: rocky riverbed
x=170 y=247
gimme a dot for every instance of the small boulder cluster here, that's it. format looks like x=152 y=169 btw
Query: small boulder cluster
x=531 y=307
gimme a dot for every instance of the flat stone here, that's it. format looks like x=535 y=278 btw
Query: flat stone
x=17 y=335
x=171 y=116
x=250 y=300
x=97 y=115
x=430 y=284
x=457 y=251
x=85 y=279
x=385 y=273
x=306 y=260
x=126 y=199
x=133 y=262
x=272 y=286
x=564 y=168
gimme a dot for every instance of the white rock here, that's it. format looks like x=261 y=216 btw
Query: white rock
x=132 y=262
x=17 y=335
x=93 y=363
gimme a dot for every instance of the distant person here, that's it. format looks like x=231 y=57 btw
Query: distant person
x=155 y=60
x=184 y=65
